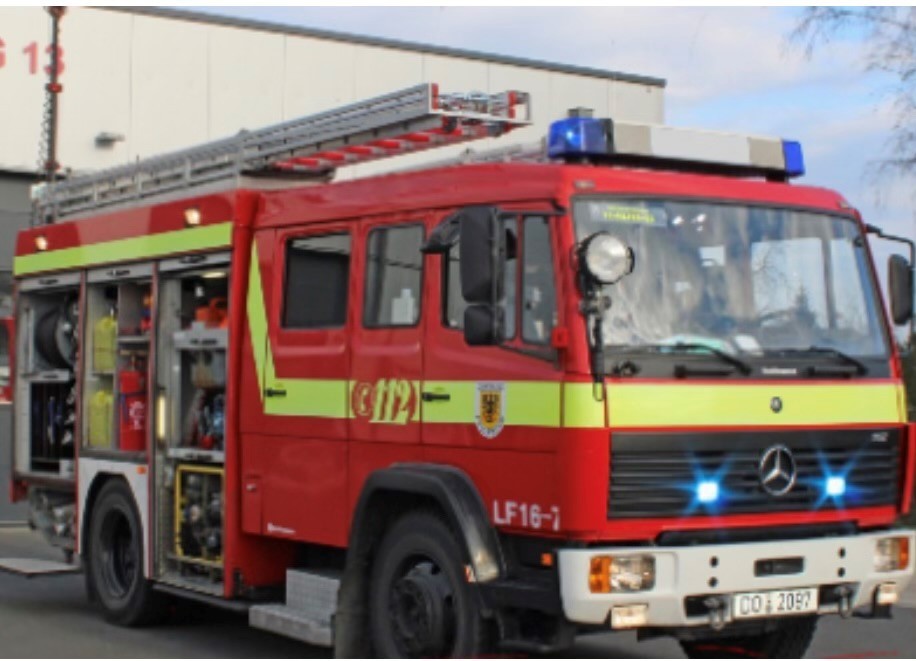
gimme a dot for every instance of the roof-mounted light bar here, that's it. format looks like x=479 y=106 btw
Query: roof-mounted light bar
x=584 y=138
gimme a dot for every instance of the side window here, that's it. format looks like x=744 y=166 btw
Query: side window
x=317 y=281
x=394 y=276
x=454 y=303
x=539 y=303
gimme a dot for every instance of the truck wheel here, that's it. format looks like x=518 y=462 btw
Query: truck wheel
x=421 y=604
x=115 y=567
x=789 y=641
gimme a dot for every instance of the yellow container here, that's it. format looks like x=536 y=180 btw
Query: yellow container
x=104 y=344
x=101 y=420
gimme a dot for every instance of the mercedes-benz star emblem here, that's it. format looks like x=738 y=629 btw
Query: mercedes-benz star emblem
x=777 y=470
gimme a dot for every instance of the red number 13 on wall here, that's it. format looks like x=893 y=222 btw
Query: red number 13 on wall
x=31 y=51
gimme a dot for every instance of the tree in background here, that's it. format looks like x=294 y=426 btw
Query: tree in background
x=889 y=35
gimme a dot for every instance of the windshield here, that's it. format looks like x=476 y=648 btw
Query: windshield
x=741 y=279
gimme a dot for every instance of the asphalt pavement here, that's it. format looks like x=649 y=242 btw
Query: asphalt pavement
x=50 y=617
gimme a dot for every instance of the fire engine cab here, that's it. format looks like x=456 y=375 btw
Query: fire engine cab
x=631 y=379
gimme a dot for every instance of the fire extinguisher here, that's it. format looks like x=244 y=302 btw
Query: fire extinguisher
x=133 y=410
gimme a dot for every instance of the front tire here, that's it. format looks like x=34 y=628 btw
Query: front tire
x=116 y=557
x=420 y=603
x=790 y=641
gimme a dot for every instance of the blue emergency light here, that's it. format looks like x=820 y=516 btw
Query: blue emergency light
x=581 y=137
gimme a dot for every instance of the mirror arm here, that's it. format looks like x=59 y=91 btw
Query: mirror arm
x=873 y=229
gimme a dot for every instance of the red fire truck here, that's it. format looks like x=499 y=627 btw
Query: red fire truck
x=634 y=380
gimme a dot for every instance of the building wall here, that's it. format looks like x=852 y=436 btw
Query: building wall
x=164 y=83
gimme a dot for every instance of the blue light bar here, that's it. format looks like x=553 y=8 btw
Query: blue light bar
x=795 y=159
x=835 y=486
x=708 y=491
x=582 y=138
x=577 y=137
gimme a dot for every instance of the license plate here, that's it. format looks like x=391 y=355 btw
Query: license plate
x=774 y=602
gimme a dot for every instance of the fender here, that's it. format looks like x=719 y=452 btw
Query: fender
x=455 y=493
x=391 y=491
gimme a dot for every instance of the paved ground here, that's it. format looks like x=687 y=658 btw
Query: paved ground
x=50 y=618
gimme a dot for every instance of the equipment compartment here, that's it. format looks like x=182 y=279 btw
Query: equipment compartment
x=118 y=330
x=47 y=341
x=190 y=396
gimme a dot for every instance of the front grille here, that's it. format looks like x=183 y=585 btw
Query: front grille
x=655 y=474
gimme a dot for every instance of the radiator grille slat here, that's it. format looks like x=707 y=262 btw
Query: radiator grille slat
x=655 y=474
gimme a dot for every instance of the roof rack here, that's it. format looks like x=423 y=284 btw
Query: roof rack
x=310 y=147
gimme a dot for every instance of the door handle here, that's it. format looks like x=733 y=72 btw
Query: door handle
x=274 y=392
x=435 y=397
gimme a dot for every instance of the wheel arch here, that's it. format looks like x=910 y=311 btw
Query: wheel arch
x=88 y=505
x=386 y=495
x=93 y=475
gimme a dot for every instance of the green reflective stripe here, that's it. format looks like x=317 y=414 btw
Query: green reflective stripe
x=716 y=405
x=319 y=398
x=531 y=403
x=257 y=320
x=580 y=407
x=122 y=250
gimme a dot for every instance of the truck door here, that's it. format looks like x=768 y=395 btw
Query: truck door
x=495 y=411
x=386 y=359
x=294 y=433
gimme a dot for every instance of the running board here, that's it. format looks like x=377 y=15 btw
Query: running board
x=33 y=568
x=311 y=601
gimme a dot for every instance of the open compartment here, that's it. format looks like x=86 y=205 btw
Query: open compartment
x=47 y=341
x=116 y=370
x=191 y=368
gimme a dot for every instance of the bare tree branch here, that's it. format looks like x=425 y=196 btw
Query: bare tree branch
x=889 y=35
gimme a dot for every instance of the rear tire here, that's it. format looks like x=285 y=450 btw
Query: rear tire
x=116 y=560
x=420 y=603
x=790 y=641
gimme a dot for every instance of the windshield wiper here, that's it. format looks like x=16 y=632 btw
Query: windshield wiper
x=687 y=347
x=860 y=367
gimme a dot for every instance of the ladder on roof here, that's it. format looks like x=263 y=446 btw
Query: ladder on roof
x=314 y=146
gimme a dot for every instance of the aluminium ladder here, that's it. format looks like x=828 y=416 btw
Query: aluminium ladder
x=310 y=147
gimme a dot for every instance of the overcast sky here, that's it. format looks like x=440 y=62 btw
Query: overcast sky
x=727 y=69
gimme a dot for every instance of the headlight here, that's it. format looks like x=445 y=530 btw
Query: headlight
x=624 y=573
x=892 y=553
x=607 y=258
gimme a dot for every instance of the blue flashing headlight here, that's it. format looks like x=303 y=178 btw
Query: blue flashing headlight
x=577 y=136
x=795 y=160
x=708 y=491
x=835 y=486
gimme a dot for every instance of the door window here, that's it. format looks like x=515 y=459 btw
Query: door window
x=394 y=276
x=317 y=270
x=539 y=305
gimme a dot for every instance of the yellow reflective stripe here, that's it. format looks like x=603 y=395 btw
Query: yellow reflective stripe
x=320 y=398
x=257 y=320
x=122 y=250
x=531 y=403
x=714 y=405
x=580 y=407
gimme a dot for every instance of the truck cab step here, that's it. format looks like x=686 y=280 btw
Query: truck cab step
x=34 y=568
x=311 y=601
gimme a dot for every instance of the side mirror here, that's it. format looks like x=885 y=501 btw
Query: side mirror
x=482 y=325
x=482 y=245
x=900 y=283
